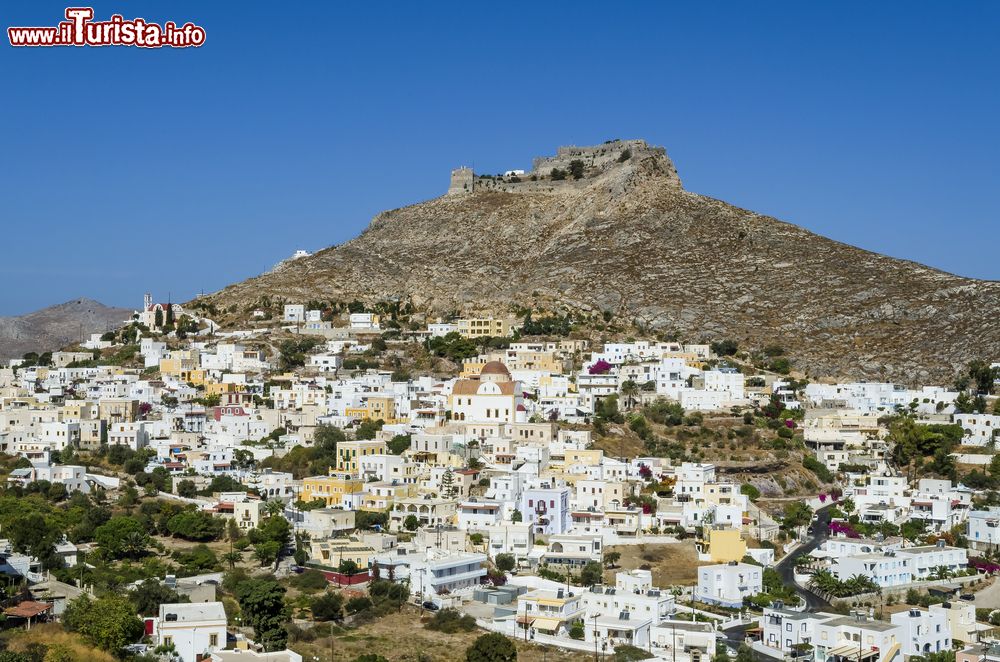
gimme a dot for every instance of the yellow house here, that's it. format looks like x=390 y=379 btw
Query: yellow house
x=478 y=327
x=348 y=453
x=472 y=367
x=725 y=545
x=196 y=377
x=381 y=496
x=333 y=551
x=381 y=408
x=330 y=488
x=179 y=361
x=218 y=388
x=584 y=458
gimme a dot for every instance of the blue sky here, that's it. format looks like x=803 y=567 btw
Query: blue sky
x=125 y=170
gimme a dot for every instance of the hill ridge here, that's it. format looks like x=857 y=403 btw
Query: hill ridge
x=622 y=234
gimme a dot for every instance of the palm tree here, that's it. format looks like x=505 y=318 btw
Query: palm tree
x=134 y=544
x=630 y=390
x=940 y=572
x=232 y=558
x=274 y=507
x=824 y=583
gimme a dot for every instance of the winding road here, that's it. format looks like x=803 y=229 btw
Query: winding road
x=786 y=566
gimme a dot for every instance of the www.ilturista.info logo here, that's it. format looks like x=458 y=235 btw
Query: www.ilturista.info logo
x=79 y=29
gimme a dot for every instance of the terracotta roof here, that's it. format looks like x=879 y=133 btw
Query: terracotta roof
x=471 y=387
x=495 y=368
x=28 y=609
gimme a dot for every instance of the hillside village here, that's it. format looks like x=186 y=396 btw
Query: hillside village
x=272 y=489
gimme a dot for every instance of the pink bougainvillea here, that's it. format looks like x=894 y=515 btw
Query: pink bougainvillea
x=983 y=565
x=600 y=367
x=822 y=498
x=844 y=528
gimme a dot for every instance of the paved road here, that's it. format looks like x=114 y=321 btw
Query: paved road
x=786 y=566
x=989 y=597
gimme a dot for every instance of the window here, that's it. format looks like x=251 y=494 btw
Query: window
x=213 y=640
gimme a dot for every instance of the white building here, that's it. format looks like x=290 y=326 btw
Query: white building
x=195 y=630
x=294 y=312
x=984 y=528
x=925 y=561
x=364 y=321
x=887 y=569
x=923 y=631
x=980 y=429
x=546 y=508
x=727 y=584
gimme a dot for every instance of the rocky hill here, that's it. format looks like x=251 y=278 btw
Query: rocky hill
x=626 y=237
x=56 y=326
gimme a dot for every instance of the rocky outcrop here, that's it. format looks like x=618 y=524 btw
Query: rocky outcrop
x=626 y=237
x=56 y=326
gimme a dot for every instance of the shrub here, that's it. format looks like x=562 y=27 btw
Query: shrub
x=309 y=581
x=451 y=621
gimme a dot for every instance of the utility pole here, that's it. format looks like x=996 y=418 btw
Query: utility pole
x=595 y=637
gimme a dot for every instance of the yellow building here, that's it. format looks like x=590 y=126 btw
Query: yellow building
x=382 y=407
x=724 y=545
x=218 y=388
x=478 y=327
x=348 y=453
x=196 y=376
x=331 y=488
x=584 y=458
x=179 y=361
x=380 y=496
x=119 y=410
x=333 y=551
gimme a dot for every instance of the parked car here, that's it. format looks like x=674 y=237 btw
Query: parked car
x=430 y=606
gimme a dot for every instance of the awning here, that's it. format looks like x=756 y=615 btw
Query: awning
x=550 y=624
x=850 y=651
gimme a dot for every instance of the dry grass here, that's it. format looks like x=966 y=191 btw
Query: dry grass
x=52 y=634
x=403 y=638
x=671 y=563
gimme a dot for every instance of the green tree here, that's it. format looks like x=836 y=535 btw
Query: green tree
x=122 y=536
x=745 y=654
x=328 y=607
x=505 y=562
x=187 y=489
x=110 y=622
x=399 y=443
x=262 y=603
x=150 y=594
x=448 y=488
x=591 y=574
x=266 y=552
x=368 y=428
x=797 y=513
x=232 y=558
x=576 y=168
x=411 y=523
x=492 y=647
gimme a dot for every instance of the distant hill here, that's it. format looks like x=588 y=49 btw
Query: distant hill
x=56 y=326
x=626 y=237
